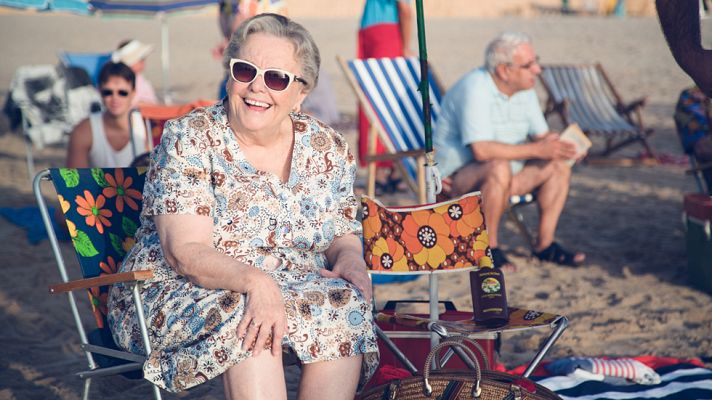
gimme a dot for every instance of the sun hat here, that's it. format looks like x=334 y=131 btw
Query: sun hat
x=132 y=52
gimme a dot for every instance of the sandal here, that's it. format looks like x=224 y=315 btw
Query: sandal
x=500 y=260
x=557 y=254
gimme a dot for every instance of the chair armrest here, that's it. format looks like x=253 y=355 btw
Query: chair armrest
x=394 y=156
x=632 y=106
x=87 y=283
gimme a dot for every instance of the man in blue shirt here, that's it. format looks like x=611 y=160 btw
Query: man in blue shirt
x=492 y=136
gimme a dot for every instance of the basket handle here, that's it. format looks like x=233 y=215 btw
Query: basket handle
x=477 y=346
x=476 y=391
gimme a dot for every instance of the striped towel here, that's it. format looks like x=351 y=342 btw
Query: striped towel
x=677 y=382
x=626 y=368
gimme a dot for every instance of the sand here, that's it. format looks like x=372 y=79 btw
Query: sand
x=632 y=298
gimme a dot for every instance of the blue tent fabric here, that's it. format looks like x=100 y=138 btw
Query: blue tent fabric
x=72 y=6
x=679 y=381
x=90 y=62
x=148 y=7
x=30 y=219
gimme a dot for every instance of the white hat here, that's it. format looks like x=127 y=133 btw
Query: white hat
x=131 y=53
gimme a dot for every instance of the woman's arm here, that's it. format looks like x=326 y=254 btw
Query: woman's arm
x=186 y=241
x=345 y=255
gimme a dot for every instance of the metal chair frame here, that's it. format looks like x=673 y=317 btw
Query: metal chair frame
x=133 y=279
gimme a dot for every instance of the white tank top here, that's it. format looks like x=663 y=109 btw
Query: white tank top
x=102 y=155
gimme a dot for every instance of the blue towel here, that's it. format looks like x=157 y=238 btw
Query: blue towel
x=379 y=279
x=30 y=219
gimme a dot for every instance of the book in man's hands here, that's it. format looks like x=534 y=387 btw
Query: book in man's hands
x=575 y=135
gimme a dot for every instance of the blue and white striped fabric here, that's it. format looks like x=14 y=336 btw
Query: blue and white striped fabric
x=391 y=87
x=679 y=381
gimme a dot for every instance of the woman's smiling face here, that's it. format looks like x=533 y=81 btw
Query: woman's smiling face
x=253 y=107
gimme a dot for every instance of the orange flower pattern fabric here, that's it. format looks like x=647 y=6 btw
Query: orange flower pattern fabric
x=438 y=236
x=282 y=228
x=100 y=227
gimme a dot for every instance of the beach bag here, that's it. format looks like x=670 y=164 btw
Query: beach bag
x=460 y=384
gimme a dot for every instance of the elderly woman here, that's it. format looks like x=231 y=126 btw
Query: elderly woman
x=249 y=226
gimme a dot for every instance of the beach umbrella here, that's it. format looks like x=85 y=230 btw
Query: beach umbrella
x=72 y=6
x=151 y=8
x=432 y=176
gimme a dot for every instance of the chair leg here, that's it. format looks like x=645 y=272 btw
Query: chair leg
x=518 y=220
x=87 y=384
x=561 y=325
x=396 y=351
x=156 y=392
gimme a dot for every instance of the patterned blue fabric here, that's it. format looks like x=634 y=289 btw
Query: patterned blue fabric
x=101 y=207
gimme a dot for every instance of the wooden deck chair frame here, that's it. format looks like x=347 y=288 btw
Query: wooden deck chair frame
x=584 y=94
x=377 y=126
x=133 y=279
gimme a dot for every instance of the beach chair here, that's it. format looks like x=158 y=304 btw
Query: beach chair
x=46 y=102
x=90 y=62
x=101 y=207
x=583 y=94
x=387 y=89
x=156 y=115
x=436 y=239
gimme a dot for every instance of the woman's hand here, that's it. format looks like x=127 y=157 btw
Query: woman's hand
x=264 y=318
x=351 y=269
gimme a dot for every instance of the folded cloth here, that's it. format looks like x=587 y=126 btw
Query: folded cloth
x=30 y=219
x=626 y=368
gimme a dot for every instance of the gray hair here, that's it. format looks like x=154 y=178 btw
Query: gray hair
x=501 y=49
x=282 y=27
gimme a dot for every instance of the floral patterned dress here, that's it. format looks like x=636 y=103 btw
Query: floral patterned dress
x=281 y=228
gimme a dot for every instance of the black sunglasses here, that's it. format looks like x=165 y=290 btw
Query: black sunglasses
x=109 y=92
x=275 y=79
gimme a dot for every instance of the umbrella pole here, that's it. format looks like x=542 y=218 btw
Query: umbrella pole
x=431 y=174
x=432 y=178
x=165 y=58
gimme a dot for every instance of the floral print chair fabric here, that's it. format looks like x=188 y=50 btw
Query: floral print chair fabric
x=102 y=208
x=423 y=239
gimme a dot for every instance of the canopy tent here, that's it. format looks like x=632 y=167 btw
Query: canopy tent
x=150 y=8
x=72 y=6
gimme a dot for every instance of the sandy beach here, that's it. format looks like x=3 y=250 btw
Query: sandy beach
x=632 y=297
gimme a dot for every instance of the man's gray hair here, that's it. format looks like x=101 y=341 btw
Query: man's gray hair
x=501 y=49
x=282 y=27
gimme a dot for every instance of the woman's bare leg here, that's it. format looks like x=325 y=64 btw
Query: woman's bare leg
x=260 y=377
x=332 y=380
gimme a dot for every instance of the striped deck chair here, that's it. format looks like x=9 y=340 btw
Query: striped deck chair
x=387 y=88
x=583 y=94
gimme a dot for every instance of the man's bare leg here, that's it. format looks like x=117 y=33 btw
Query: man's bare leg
x=552 y=178
x=493 y=179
